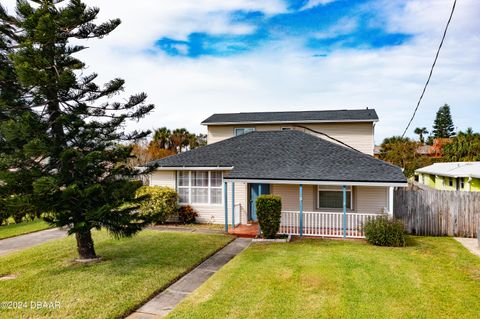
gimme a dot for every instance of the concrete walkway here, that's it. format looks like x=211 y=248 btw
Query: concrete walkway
x=165 y=301
x=12 y=244
x=470 y=243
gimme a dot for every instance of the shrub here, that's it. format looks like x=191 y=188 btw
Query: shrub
x=385 y=232
x=187 y=215
x=159 y=205
x=269 y=211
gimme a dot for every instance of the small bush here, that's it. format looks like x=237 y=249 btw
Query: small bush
x=159 y=205
x=385 y=232
x=269 y=211
x=187 y=215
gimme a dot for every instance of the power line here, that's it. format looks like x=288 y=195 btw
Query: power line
x=431 y=70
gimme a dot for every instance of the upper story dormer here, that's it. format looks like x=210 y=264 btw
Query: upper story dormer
x=352 y=127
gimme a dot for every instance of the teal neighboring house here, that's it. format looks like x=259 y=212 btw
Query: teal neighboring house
x=451 y=176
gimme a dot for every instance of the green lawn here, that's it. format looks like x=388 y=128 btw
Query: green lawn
x=132 y=270
x=434 y=278
x=12 y=230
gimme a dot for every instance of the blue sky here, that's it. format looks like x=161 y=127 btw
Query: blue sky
x=306 y=25
x=198 y=57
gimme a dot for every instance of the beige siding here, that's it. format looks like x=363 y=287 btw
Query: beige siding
x=290 y=196
x=357 y=135
x=163 y=178
x=369 y=200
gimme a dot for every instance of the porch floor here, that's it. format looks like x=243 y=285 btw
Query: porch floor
x=245 y=231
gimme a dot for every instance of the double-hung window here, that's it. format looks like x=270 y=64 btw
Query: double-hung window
x=331 y=197
x=243 y=130
x=200 y=187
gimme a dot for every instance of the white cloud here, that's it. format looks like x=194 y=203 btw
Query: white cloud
x=284 y=75
x=313 y=3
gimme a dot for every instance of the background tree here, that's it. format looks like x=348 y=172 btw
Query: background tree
x=81 y=157
x=402 y=151
x=465 y=147
x=179 y=140
x=443 y=124
x=421 y=132
x=161 y=137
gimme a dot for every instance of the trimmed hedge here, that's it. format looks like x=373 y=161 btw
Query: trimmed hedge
x=382 y=231
x=187 y=215
x=269 y=210
x=160 y=205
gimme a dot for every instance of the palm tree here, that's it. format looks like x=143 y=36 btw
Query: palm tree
x=421 y=132
x=464 y=147
x=161 y=137
x=179 y=139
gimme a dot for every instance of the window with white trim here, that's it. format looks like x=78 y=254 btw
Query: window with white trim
x=331 y=197
x=243 y=130
x=200 y=187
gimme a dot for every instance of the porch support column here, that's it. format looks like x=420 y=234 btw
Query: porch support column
x=344 y=189
x=233 y=205
x=390 y=202
x=301 y=210
x=225 y=202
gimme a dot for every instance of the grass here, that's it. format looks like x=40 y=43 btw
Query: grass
x=434 y=278
x=22 y=228
x=132 y=270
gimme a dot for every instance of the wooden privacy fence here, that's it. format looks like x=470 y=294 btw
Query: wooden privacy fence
x=438 y=213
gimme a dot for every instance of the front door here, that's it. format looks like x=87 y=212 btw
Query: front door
x=255 y=191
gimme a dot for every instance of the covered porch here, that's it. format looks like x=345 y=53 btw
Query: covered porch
x=304 y=211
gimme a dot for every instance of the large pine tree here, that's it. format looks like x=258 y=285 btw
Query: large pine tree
x=78 y=150
x=443 y=124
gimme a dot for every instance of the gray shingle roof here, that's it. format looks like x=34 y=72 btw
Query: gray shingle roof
x=293 y=117
x=287 y=155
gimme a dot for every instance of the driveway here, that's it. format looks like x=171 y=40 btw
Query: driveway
x=25 y=241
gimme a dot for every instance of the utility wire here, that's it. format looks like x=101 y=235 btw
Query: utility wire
x=431 y=70
x=326 y=135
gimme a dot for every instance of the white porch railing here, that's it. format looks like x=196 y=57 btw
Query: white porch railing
x=324 y=224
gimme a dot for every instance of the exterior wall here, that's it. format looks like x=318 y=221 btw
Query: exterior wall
x=214 y=213
x=475 y=185
x=358 y=135
x=427 y=179
x=368 y=200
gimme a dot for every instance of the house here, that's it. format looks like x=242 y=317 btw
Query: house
x=460 y=176
x=319 y=162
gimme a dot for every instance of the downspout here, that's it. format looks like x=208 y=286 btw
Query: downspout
x=233 y=205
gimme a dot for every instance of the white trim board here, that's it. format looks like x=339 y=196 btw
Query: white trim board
x=186 y=168
x=297 y=182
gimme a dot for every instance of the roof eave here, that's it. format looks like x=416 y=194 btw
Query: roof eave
x=318 y=182
x=288 y=122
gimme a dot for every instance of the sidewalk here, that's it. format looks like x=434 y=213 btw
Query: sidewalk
x=165 y=301
x=470 y=243
x=12 y=244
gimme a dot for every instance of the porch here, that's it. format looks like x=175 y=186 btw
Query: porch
x=302 y=213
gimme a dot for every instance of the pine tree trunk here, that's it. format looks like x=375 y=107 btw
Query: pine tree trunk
x=85 y=246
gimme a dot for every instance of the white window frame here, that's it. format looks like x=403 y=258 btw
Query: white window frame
x=331 y=189
x=248 y=129
x=209 y=187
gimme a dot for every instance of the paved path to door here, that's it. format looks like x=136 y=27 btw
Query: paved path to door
x=165 y=301
x=470 y=243
x=12 y=244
